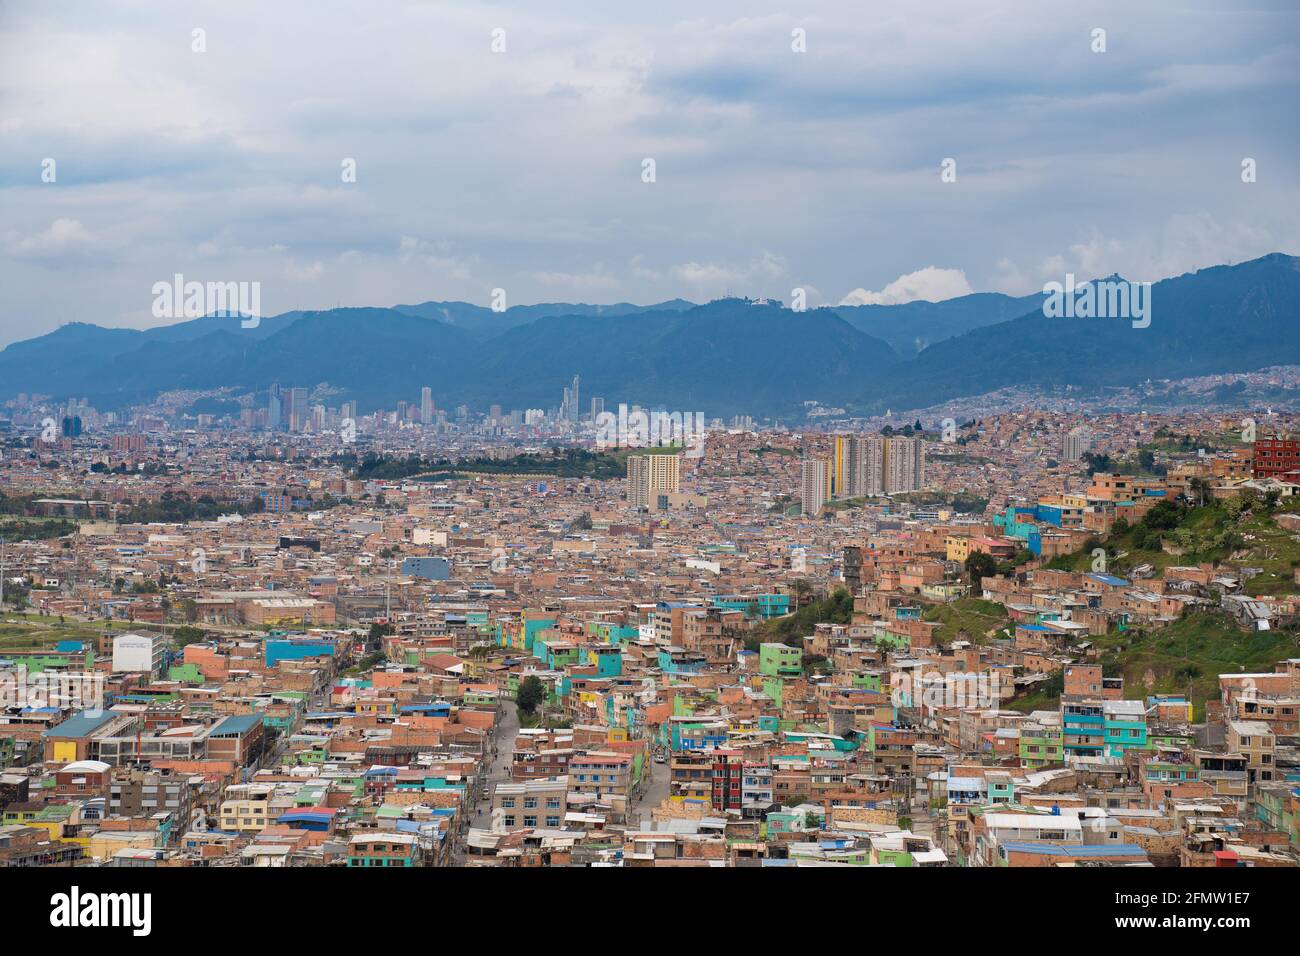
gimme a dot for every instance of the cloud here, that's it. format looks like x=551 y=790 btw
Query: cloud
x=711 y=275
x=63 y=241
x=594 y=281
x=776 y=169
x=305 y=273
x=929 y=284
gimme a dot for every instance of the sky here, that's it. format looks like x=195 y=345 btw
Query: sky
x=504 y=145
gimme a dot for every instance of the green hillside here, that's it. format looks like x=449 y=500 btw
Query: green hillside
x=981 y=620
x=1242 y=531
x=1189 y=655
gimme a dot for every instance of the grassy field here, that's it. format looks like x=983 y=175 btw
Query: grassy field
x=981 y=620
x=33 y=632
x=1189 y=655
x=1185 y=657
x=1038 y=700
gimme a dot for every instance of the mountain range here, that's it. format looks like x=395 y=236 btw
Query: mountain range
x=724 y=357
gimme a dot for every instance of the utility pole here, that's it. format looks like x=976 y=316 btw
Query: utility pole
x=388 y=592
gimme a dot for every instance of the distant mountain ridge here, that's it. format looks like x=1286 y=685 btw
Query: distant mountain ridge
x=725 y=357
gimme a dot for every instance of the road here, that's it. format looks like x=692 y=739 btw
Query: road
x=502 y=750
x=654 y=792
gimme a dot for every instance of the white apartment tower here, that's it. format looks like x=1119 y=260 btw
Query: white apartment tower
x=813 y=493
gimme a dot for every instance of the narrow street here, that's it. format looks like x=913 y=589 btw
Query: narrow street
x=503 y=743
x=654 y=793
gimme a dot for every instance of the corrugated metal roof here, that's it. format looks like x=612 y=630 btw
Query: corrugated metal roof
x=1094 y=849
x=237 y=724
x=79 y=725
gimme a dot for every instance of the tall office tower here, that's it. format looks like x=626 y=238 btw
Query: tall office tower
x=318 y=418
x=597 y=408
x=1077 y=442
x=904 y=464
x=494 y=412
x=349 y=410
x=426 y=405
x=650 y=478
x=401 y=411
x=273 y=407
x=813 y=492
x=297 y=408
x=575 y=412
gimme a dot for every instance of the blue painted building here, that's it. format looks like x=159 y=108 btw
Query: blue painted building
x=296 y=649
x=427 y=568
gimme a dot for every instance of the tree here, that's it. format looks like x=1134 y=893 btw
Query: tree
x=802 y=590
x=1199 y=487
x=378 y=632
x=980 y=565
x=531 y=693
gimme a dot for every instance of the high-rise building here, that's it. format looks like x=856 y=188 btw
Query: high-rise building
x=864 y=466
x=1077 y=442
x=597 y=408
x=904 y=464
x=838 y=463
x=273 y=407
x=650 y=477
x=868 y=465
x=813 y=492
x=426 y=405
x=296 y=411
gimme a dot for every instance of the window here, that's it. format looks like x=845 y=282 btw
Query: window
x=530 y=803
x=530 y=821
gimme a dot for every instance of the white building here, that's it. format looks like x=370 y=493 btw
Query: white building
x=137 y=653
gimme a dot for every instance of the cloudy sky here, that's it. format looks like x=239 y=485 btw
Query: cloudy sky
x=523 y=169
